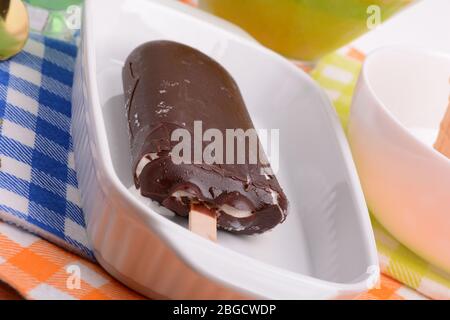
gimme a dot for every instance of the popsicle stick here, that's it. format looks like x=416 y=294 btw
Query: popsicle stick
x=203 y=221
x=443 y=140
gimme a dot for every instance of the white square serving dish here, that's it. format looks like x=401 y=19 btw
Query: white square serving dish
x=325 y=248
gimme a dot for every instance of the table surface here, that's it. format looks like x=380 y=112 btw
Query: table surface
x=7 y=293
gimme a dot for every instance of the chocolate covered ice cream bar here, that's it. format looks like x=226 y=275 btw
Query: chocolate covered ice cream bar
x=168 y=87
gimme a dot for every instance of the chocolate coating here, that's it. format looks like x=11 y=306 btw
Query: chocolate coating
x=168 y=86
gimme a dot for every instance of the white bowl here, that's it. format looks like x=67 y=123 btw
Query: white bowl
x=325 y=249
x=400 y=100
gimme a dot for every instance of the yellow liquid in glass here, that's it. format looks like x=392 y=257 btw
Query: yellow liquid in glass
x=303 y=29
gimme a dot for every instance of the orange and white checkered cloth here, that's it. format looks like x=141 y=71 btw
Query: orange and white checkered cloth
x=37 y=269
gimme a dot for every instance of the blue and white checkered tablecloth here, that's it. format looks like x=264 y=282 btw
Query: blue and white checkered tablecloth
x=38 y=184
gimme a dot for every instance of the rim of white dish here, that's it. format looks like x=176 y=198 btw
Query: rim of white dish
x=382 y=106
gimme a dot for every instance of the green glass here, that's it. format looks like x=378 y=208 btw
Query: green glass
x=304 y=29
x=56 y=25
x=54 y=4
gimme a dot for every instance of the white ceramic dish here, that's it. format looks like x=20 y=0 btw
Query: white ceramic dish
x=324 y=250
x=400 y=100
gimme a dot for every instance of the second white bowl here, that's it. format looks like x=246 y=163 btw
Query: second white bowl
x=400 y=100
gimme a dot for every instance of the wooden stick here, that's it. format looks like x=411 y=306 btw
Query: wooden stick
x=203 y=221
x=443 y=141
